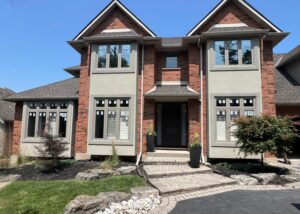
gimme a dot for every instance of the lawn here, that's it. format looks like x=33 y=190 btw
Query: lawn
x=51 y=197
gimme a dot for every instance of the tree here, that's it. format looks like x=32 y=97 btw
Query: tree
x=51 y=148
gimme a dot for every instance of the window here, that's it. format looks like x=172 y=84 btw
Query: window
x=112 y=119
x=228 y=109
x=233 y=52
x=102 y=51
x=246 y=52
x=171 y=62
x=42 y=124
x=31 y=124
x=114 y=56
x=126 y=50
x=48 y=117
x=220 y=52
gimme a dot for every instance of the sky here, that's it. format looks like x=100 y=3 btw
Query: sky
x=34 y=33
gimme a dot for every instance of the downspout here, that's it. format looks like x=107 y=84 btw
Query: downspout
x=142 y=108
x=201 y=106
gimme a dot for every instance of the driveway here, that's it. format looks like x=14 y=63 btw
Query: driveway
x=248 y=202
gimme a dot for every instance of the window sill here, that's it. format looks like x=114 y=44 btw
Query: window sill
x=113 y=71
x=40 y=140
x=171 y=69
x=110 y=142
x=224 y=144
x=235 y=68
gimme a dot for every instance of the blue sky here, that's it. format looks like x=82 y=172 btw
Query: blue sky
x=34 y=32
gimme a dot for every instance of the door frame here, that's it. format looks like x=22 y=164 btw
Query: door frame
x=157 y=126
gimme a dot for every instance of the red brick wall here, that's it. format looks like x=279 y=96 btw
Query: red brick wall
x=230 y=14
x=83 y=103
x=17 y=127
x=117 y=19
x=268 y=78
x=165 y=74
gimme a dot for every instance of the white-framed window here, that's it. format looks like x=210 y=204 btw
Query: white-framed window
x=112 y=118
x=114 y=56
x=228 y=109
x=233 y=52
x=50 y=117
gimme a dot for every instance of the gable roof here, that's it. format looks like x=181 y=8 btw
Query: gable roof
x=66 y=89
x=106 y=10
x=245 y=5
x=289 y=57
x=7 y=109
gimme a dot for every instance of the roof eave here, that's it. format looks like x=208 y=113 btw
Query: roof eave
x=207 y=35
x=276 y=38
x=39 y=98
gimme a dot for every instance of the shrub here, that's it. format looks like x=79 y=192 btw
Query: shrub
x=22 y=159
x=51 y=149
x=261 y=134
x=150 y=131
x=196 y=142
x=111 y=162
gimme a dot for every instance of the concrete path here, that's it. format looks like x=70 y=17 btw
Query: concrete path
x=243 y=202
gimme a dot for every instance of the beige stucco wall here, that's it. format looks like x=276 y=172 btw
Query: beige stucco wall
x=238 y=81
x=113 y=83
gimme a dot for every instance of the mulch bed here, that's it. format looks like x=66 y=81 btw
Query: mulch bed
x=30 y=172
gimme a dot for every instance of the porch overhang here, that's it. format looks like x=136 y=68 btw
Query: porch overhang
x=172 y=93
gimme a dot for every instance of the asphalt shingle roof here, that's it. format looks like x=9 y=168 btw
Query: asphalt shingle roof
x=289 y=57
x=172 y=91
x=66 y=89
x=287 y=89
x=7 y=109
x=231 y=29
x=130 y=33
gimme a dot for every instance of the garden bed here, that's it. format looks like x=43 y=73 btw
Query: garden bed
x=250 y=168
x=69 y=170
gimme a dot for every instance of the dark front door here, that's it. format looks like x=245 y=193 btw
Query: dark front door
x=171 y=124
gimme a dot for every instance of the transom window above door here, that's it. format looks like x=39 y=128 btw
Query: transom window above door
x=114 y=56
x=172 y=61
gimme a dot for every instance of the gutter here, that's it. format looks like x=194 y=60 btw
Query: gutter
x=142 y=107
x=201 y=106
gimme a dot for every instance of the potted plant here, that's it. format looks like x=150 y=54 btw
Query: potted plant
x=150 y=136
x=195 y=152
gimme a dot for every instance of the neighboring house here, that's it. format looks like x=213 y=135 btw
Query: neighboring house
x=7 y=111
x=287 y=72
x=130 y=79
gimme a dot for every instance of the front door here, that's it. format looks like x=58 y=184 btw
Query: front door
x=172 y=124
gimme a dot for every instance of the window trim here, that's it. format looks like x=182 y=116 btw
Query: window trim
x=119 y=68
x=105 y=140
x=240 y=66
x=228 y=108
x=165 y=63
x=48 y=110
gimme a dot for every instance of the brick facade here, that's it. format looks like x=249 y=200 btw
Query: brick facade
x=83 y=104
x=17 y=127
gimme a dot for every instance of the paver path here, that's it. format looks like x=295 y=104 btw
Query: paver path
x=243 y=202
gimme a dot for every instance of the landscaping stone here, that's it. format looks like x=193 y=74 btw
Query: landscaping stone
x=114 y=197
x=143 y=192
x=289 y=178
x=125 y=170
x=265 y=177
x=101 y=172
x=245 y=180
x=85 y=204
x=134 y=205
x=87 y=176
x=9 y=178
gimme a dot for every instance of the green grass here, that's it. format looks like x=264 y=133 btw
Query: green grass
x=51 y=197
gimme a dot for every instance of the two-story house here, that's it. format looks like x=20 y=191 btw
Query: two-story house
x=130 y=79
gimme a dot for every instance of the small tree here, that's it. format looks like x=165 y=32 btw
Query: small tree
x=254 y=136
x=284 y=136
x=258 y=135
x=51 y=148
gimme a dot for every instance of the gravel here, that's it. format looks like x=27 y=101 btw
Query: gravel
x=134 y=205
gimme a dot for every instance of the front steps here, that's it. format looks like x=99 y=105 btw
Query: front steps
x=169 y=172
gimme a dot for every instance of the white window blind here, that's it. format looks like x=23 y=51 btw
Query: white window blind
x=111 y=125
x=221 y=125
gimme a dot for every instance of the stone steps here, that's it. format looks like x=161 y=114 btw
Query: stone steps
x=166 y=160
x=187 y=183
x=158 y=171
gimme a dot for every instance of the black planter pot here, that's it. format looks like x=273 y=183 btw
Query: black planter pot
x=150 y=143
x=195 y=154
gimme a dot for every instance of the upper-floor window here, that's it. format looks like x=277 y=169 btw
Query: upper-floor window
x=114 y=56
x=233 y=52
x=172 y=61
